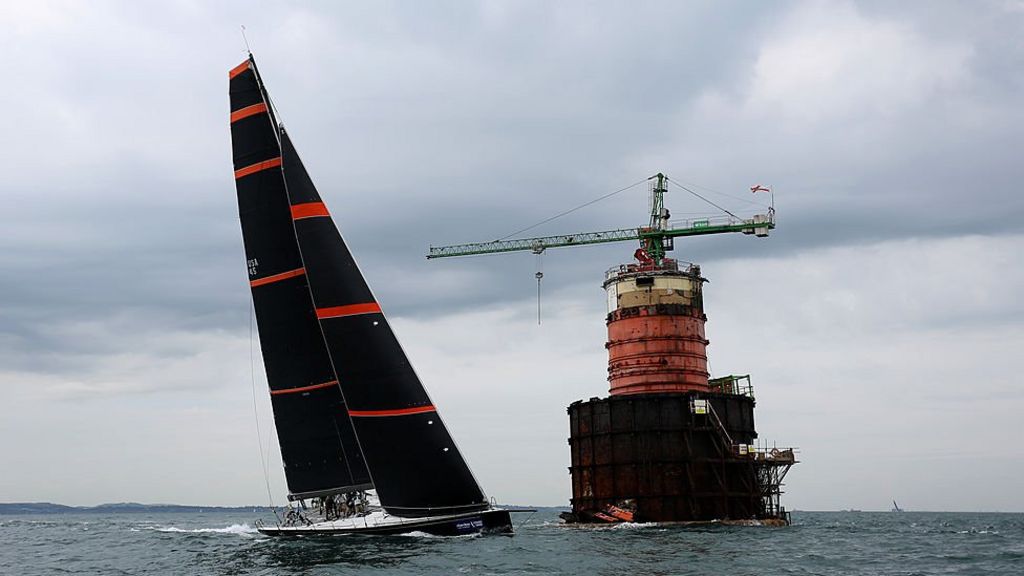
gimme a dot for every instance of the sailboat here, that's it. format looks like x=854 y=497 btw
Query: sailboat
x=896 y=507
x=363 y=446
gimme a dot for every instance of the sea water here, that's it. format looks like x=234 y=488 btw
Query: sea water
x=909 y=543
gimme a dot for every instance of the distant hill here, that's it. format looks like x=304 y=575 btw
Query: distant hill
x=34 y=508
x=116 y=508
x=136 y=508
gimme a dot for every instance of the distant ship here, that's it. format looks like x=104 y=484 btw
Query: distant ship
x=896 y=507
x=364 y=447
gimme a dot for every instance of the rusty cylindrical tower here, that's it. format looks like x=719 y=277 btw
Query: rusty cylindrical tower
x=667 y=444
x=656 y=340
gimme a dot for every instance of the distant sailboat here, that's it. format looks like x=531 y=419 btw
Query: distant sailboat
x=364 y=448
x=896 y=507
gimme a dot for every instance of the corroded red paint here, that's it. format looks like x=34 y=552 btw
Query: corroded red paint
x=652 y=350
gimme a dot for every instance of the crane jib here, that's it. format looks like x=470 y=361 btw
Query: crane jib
x=759 y=225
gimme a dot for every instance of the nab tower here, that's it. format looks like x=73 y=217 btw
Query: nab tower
x=669 y=443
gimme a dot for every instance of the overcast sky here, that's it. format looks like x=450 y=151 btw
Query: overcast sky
x=882 y=322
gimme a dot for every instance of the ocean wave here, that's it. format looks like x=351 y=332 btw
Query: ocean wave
x=634 y=525
x=419 y=534
x=976 y=531
x=232 y=529
x=601 y=527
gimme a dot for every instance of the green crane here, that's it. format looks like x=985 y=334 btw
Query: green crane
x=655 y=238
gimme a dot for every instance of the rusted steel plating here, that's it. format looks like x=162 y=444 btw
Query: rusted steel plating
x=656 y=340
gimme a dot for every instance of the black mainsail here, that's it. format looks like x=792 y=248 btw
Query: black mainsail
x=314 y=281
x=318 y=445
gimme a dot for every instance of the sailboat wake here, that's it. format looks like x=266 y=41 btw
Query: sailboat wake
x=232 y=529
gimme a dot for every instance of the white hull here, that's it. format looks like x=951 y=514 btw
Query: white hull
x=380 y=522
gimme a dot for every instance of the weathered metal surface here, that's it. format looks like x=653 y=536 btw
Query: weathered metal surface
x=650 y=453
x=658 y=348
x=656 y=341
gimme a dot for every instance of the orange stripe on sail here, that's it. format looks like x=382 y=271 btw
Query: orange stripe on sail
x=350 y=310
x=309 y=210
x=277 y=277
x=248 y=111
x=304 y=388
x=258 y=167
x=238 y=69
x=397 y=412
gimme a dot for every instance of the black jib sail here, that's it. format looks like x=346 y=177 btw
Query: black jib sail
x=413 y=461
x=318 y=445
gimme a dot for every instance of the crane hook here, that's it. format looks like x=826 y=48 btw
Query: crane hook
x=538 y=276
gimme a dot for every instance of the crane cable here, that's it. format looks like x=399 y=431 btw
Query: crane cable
x=539 y=275
x=633 y=185
x=702 y=198
x=713 y=191
x=570 y=211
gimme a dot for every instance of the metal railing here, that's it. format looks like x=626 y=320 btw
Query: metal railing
x=764 y=454
x=737 y=385
x=667 y=265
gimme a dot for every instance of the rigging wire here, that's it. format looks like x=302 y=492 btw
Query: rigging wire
x=246 y=40
x=275 y=114
x=523 y=523
x=267 y=452
x=702 y=198
x=571 y=210
x=255 y=411
x=713 y=191
x=277 y=117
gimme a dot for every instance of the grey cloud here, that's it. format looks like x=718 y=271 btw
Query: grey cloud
x=464 y=122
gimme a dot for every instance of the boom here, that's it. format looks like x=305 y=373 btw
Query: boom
x=655 y=239
x=759 y=225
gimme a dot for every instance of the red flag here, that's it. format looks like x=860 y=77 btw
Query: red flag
x=758 y=188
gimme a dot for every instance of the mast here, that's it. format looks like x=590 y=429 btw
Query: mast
x=318 y=444
x=655 y=243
